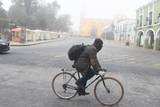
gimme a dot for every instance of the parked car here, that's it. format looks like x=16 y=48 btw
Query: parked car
x=4 y=46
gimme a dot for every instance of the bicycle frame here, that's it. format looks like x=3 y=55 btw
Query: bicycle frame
x=99 y=76
x=68 y=88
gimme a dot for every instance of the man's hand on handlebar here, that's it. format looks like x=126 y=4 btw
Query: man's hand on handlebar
x=102 y=72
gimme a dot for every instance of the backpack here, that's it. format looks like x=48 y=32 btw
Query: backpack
x=75 y=51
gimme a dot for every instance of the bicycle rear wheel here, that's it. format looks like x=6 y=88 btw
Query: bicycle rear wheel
x=63 y=85
x=110 y=92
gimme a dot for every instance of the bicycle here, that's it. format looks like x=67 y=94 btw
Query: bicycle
x=63 y=85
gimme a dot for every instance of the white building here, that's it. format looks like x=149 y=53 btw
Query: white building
x=125 y=30
x=108 y=32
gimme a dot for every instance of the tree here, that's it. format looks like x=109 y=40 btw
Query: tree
x=52 y=11
x=4 y=23
x=18 y=15
x=30 y=6
x=63 y=23
x=3 y=13
x=21 y=12
x=30 y=14
x=3 y=19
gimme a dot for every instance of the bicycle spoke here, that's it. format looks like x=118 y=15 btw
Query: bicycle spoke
x=108 y=98
x=63 y=85
x=71 y=87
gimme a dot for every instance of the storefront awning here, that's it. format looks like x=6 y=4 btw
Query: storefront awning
x=16 y=29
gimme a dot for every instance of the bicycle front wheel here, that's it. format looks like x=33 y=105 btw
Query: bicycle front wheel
x=108 y=91
x=63 y=85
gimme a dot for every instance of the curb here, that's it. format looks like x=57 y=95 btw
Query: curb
x=29 y=44
x=36 y=43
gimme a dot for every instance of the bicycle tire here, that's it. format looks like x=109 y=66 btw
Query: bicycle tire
x=106 y=81
x=57 y=85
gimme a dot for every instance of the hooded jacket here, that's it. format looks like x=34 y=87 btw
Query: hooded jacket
x=88 y=59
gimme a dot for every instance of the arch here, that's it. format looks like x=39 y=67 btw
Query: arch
x=140 y=38
x=140 y=32
x=150 y=30
x=157 y=40
x=150 y=35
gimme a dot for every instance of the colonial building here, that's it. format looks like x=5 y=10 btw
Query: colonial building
x=108 y=32
x=93 y=27
x=125 y=30
x=148 y=25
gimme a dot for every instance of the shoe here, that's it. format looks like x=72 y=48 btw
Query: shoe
x=81 y=89
x=82 y=92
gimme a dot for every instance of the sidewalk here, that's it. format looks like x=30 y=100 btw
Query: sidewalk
x=32 y=43
x=133 y=46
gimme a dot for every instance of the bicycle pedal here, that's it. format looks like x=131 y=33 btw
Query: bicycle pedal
x=83 y=94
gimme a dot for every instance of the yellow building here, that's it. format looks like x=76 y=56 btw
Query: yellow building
x=93 y=27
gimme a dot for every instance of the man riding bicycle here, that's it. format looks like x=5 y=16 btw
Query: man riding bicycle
x=88 y=64
x=107 y=90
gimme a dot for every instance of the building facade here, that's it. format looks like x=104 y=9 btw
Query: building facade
x=148 y=25
x=93 y=27
x=125 y=30
x=23 y=35
x=108 y=32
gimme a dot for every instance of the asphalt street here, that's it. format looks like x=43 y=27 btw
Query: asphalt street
x=26 y=73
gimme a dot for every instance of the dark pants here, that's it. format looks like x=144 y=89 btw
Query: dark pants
x=86 y=76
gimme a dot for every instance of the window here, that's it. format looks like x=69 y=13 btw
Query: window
x=150 y=18
x=141 y=20
x=137 y=22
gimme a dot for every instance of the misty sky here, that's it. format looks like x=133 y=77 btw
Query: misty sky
x=95 y=8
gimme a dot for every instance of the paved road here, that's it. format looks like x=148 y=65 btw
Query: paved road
x=26 y=74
